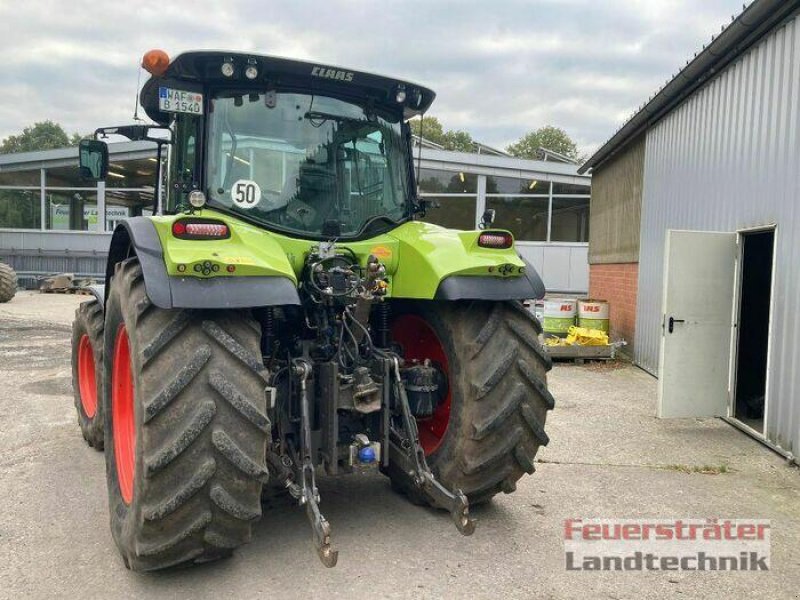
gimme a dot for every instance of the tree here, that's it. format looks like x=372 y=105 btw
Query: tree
x=429 y=128
x=451 y=139
x=44 y=135
x=552 y=138
x=458 y=141
x=19 y=209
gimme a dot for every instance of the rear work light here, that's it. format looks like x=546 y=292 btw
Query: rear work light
x=497 y=240
x=188 y=229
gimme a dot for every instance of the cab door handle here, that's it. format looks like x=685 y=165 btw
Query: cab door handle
x=672 y=321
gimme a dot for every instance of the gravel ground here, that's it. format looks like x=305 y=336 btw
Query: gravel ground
x=609 y=457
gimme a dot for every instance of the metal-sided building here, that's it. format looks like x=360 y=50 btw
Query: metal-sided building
x=695 y=229
x=51 y=221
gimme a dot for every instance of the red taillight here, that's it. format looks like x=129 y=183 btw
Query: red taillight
x=178 y=228
x=497 y=240
x=200 y=230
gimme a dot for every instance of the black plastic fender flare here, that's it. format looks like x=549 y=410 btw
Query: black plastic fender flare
x=137 y=236
x=470 y=287
x=99 y=293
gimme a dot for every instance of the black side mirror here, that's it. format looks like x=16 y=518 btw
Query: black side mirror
x=487 y=220
x=93 y=160
x=423 y=205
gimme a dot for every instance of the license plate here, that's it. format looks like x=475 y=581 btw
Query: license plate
x=180 y=101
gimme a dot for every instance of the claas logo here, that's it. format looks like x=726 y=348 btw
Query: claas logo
x=334 y=74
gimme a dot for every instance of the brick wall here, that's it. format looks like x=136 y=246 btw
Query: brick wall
x=617 y=283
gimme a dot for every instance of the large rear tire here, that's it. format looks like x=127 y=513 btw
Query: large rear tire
x=485 y=435
x=185 y=425
x=8 y=283
x=87 y=370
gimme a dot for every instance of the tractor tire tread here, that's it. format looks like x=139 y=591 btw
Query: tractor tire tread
x=234 y=507
x=225 y=388
x=175 y=446
x=178 y=498
x=8 y=283
x=238 y=457
x=202 y=450
x=500 y=397
x=185 y=375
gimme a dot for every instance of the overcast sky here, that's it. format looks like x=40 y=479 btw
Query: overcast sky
x=500 y=67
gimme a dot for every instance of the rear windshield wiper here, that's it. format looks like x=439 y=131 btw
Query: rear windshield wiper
x=315 y=115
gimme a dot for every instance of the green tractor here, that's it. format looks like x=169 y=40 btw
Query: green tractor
x=285 y=312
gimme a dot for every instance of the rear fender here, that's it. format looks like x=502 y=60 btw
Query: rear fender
x=445 y=264
x=528 y=287
x=138 y=237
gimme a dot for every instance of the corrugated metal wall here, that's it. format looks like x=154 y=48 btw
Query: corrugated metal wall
x=37 y=254
x=728 y=159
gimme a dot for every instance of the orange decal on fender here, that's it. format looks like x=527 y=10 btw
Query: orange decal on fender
x=381 y=252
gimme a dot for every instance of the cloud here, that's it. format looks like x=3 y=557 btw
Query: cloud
x=500 y=68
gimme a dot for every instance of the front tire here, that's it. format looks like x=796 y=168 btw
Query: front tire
x=185 y=427
x=87 y=370
x=484 y=437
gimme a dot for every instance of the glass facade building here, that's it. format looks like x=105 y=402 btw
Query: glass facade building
x=533 y=210
x=44 y=191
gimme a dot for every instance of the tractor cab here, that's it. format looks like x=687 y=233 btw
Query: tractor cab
x=299 y=148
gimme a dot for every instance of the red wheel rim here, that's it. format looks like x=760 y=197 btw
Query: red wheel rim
x=419 y=342
x=87 y=384
x=124 y=428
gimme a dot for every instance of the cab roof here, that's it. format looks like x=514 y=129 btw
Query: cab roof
x=202 y=69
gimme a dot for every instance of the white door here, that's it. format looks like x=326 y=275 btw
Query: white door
x=699 y=274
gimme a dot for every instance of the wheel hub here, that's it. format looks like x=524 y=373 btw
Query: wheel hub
x=419 y=342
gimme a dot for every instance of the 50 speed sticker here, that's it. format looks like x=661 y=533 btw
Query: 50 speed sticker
x=246 y=193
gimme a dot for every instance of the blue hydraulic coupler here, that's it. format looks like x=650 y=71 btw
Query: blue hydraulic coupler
x=366 y=455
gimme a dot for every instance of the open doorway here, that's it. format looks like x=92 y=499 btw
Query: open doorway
x=752 y=343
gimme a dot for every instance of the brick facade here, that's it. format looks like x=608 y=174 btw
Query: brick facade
x=617 y=283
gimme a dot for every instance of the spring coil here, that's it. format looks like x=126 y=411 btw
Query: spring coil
x=382 y=324
x=267 y=333
x=269 y=323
